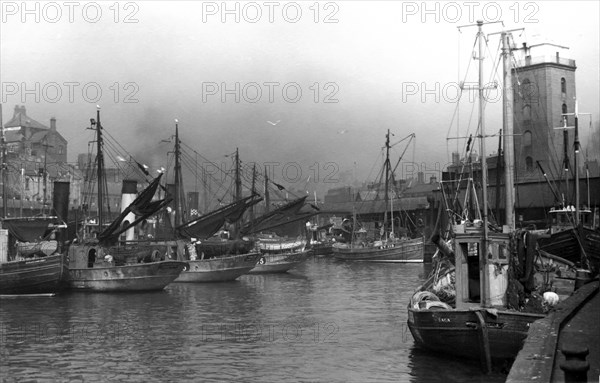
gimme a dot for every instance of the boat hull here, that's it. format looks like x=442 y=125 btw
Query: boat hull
x=458 y=333
x=135 y=277
x=566 y=244
x=280 y=262
x=43 y=275
x=219 y=269
x=321 y=250
x=409 y=251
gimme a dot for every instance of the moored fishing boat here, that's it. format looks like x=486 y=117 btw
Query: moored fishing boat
x=34 y=265
x=381 y=245
x=279 y=255
x=31 y=273
x=210 y=258
x=391 y=250
x=495 y=297
x=98 y=262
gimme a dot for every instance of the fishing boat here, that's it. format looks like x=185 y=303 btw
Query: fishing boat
x=280 y=236
x=578 y=243
x=321 y=242
x=99 y=262
x=37 y=270
x=381 y=245
x=279 y=255
x=573 y=232
x=494 y=298
x=34 y=265
x=211 y=254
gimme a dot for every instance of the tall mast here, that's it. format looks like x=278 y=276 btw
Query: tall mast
x=100 y=168
x=267 y=199
x=3 y=166
x=178 y=180
x=576 y=150
x=387 y=176
x=507 y=97
x=253 y=192
x=484 y=182
x=238 y=189
x=238 y=180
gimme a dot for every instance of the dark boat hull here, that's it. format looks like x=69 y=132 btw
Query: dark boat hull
x=43 y=275
x=458 y=333
x=566 y=244
x=219 y=269
x=134 y=277
x=321 y=250
x=279 y=263
x=409 y=251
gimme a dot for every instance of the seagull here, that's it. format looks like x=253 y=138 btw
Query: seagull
x=119 y=158
x=274 y=123
x=343 y=131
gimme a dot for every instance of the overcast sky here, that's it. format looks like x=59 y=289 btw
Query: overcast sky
x=361 y=67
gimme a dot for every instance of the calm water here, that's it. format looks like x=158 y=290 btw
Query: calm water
x=325 y=321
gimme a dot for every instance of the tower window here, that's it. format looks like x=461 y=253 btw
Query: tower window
x=563 y=87
x=529 y=163
x=527 y=138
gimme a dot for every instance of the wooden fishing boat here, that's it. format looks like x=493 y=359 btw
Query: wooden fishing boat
x=494 y=290
x=278 y=255
x=578 y=244
x=211 y=255
x=223 y=268
x=101 y=263
x=93 y=268
x=34 y=272
x=382 y=244
x=393 y=250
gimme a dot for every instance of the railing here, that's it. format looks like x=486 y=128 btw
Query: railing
x=546 y=59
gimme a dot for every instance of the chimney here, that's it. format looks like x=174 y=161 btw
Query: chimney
x=128 y=194
x=455 y=158
x=420 y=178
x=19 y=109
x=53 y=124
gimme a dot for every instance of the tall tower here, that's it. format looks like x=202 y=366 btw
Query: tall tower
x=544 y=88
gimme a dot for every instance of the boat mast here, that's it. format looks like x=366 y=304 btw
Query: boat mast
x=387 y=181
x=267 y=198
x=238 y=188
x=253 y=192
x=481 y=37
x=509 y=168
x=576 y=150
x=178 y=179
x=3 y=166
x=100 y=168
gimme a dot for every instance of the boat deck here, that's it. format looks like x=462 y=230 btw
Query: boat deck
x=574 y=324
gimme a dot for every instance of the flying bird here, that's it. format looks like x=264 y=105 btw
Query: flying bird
x=343 y=131
x=274 y=123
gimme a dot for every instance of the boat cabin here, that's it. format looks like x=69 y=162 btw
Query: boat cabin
x=481 y=271
x=564 y=218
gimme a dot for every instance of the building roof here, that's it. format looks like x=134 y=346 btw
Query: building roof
x=20 y=118
x=375 y=207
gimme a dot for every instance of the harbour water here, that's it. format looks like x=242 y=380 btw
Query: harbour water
x=324 y=321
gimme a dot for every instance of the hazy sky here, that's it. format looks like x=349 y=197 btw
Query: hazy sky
x=361 y=67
